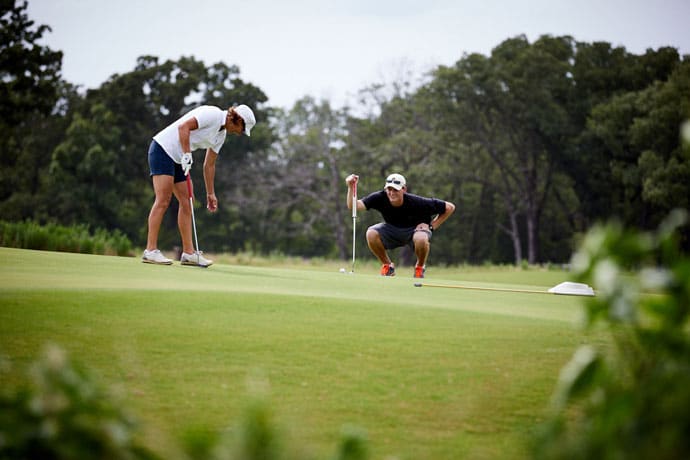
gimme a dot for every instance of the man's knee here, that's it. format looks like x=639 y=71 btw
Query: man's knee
x=373 y=234
x=420 y=238
x=421 y=235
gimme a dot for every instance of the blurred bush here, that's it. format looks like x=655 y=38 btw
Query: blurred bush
x=51 y=237
x=58 y=412
x=630 y=400
x=61 y=413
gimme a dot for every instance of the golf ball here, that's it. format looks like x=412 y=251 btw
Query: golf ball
x=342 y=270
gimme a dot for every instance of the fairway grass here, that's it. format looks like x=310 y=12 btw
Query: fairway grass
x=428 y=373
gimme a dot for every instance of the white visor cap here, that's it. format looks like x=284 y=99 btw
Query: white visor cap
x=248 y=117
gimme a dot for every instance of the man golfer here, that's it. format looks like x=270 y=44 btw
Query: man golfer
x=407 y=220
x=170 y=159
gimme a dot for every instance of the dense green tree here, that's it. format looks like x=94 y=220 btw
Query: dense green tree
x=83 y=179
x=144 y=101
x=514 y=120
x=104 y=150
x=602 y=72
x=30 y=72
x=638 y=133
x=533 y=143
x=399 y=138
x=139 y=104
x=509 y=113
x=306 y=191
x=30 y=87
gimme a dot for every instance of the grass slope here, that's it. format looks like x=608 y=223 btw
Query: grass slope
x=428 y=373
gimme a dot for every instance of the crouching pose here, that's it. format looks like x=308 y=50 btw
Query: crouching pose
x=407 y=220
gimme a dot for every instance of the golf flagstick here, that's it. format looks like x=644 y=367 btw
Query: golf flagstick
x=191 y=204
x=354 y=221
x=565 y=288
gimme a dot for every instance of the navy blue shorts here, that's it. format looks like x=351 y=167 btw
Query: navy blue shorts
x=395 y=237
x=161 y=164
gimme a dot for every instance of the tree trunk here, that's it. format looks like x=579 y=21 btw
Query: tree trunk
x=531 y=239
x=515 y=236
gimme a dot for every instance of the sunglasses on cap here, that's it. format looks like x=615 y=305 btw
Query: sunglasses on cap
x=393 y=181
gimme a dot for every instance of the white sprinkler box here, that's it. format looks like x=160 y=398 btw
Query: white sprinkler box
x=570 y=288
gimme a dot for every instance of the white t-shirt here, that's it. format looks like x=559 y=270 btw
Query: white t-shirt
x=209 y=134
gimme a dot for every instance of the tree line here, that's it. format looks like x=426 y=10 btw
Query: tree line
x=534 y=143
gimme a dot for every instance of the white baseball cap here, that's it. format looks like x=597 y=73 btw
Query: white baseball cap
x=397 y=181
x=248 y=117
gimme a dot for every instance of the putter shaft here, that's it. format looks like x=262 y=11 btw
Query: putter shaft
x=191 y=204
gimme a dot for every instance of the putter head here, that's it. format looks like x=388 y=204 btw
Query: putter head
x=417 y=284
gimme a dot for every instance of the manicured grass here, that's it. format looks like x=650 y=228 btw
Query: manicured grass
x=428 y=373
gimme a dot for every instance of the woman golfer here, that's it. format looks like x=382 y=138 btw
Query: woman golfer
x=170 y=159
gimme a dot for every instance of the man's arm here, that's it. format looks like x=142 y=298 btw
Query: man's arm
x=441 y=218
x=350 y=181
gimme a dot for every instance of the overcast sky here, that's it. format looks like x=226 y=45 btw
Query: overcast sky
x=330 y=49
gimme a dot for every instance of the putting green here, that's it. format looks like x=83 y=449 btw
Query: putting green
x=428 y=373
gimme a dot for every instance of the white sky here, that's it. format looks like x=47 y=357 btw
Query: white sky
x=330 y=49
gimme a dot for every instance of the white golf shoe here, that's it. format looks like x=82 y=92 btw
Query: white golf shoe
x=155 y=257
x=195 y=259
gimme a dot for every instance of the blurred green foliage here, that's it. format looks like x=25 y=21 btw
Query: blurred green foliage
x=630 y=400
x=53 y=237
x=62 y=413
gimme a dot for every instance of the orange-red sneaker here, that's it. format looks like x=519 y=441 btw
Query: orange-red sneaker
x=387 y=270
x=419 y=271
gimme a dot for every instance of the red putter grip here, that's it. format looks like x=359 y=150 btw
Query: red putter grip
x=189 y=187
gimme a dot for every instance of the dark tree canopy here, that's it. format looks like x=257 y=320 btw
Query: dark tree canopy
x=534 y=143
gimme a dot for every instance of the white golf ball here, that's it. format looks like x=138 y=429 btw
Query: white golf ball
x=342 y=270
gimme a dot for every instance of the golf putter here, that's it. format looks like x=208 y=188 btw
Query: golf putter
x=354 y=222
x=191 y=204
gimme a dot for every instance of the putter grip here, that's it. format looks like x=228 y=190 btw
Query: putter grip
x=189 y=187
x=354 y=200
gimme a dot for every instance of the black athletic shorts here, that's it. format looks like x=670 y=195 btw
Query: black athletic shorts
x=395 y=237
x=161 y=164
